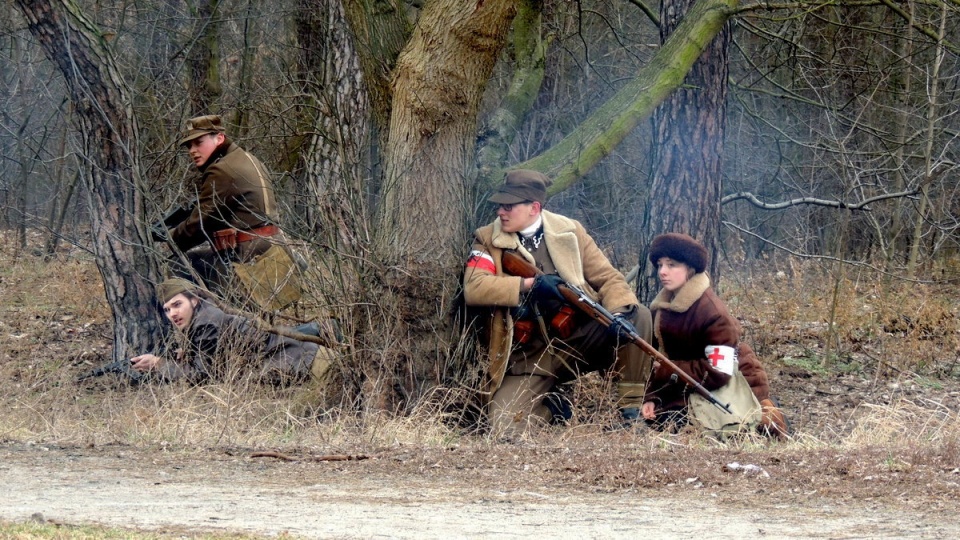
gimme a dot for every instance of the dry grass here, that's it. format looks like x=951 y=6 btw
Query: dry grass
x=55 y=325
x=834 y=318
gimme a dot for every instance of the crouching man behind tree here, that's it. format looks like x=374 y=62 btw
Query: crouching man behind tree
x=231 y=237
x=214 y=345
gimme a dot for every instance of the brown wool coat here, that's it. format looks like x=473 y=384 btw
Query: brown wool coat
x=578 y=260
x=234 y=191
x=684 y=324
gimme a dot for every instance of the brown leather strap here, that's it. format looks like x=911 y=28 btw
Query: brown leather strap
x=229 y=238
x=260 y=232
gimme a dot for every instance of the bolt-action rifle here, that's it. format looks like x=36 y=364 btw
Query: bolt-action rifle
x=173 y=217
x=516 y=265
x=120 y=367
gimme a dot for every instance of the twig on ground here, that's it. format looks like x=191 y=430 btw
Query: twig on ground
x=329 y=457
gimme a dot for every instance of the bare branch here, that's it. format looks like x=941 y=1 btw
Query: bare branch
x=829 y=258
x=650 y=13
x=929 y=32
x=862 y=205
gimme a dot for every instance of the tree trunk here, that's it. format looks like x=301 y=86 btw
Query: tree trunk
x=380 y=30
x=337 y=113
x=529 y=53
x=109 y=136
x=933 y=105
x=58 y=210
x=203 y=59
x=20 y=190
x=600 y=133
x=241 y=118
x=438 y=84
x=688 y=141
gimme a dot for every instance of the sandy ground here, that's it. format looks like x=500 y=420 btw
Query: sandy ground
x=212 y=491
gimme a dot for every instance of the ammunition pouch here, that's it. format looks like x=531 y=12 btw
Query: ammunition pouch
x=564 y=322
x=522 y=330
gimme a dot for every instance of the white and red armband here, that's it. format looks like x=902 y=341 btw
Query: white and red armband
x=481 y=260
x=722 y=358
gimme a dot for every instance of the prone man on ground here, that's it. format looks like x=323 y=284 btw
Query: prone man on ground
x=216 y=345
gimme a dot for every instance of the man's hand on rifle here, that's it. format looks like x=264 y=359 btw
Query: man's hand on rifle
x=624 y=315
x=648 y=410
x=545 y=288
x=146 y=362
x=158 y=232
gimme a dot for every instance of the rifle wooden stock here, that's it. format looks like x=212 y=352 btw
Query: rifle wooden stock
x=516 y=265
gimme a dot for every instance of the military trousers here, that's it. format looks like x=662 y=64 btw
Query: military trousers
x=535 y=369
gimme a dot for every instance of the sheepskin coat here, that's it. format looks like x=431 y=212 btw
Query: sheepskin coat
x=577 y=259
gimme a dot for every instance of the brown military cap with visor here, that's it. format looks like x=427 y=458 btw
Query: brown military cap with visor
x=520 y=186
x=200 y=126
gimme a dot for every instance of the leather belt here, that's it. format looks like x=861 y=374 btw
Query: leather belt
x=229 y=238
x=253 y=234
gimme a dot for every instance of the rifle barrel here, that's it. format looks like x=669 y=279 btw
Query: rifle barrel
x=516 y=265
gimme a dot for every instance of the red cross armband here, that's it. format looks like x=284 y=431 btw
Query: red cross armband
x=481 y=260
x=722 y=358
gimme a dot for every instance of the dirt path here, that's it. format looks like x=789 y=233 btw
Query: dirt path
x=212 y=491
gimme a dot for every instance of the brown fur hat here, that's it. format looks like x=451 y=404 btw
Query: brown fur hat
x=679 y=247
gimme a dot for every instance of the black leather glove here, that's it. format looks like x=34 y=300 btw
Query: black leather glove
x=545 y=288
x=613 y=331
x=158 y=232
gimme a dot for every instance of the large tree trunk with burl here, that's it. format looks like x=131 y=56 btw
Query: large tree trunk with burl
x=420 y=236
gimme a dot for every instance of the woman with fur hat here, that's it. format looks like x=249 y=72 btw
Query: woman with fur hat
x=693 y=327
x=218 y=344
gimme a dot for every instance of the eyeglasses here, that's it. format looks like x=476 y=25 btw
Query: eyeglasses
x=509 y=207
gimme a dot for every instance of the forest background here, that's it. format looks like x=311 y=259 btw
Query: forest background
x=805 y=140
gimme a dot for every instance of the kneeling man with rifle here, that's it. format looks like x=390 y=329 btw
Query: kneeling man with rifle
x=537 y=339
x=233 y=225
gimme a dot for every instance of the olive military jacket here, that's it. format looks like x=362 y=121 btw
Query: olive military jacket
x=234 y=191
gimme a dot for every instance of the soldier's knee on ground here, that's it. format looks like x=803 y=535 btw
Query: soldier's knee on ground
x=517 y=406
x=322 y=361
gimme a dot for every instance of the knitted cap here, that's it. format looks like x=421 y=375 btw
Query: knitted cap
x=200 y=126
x=169 y=288
x=679 y=247
x=522 y=185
